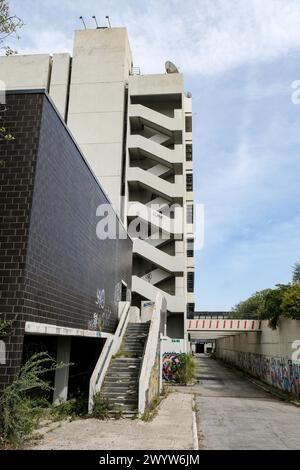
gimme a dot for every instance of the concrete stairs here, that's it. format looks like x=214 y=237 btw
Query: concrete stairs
x=121 y=383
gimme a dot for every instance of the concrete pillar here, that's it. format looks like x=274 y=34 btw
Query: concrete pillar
x=62 y=375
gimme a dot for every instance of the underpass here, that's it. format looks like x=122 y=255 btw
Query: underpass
x=235 y=414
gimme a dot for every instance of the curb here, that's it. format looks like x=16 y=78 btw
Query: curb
x=195 y=431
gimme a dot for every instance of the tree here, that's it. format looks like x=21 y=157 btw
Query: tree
x=9 y=26
x=250 y=308
x=271 y=306
x=296 y=273
x=290 y=305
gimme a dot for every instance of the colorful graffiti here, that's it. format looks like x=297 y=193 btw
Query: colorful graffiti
x=279 y=372
x=170 y=363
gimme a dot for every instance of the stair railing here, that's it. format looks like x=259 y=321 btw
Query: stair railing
x=111 y=347
x=151 y=358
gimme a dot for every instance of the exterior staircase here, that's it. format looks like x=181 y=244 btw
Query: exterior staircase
x=121 y=383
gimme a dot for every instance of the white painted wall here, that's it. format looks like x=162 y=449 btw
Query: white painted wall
x=268 y=342
x=21 y=72
x=101 y=65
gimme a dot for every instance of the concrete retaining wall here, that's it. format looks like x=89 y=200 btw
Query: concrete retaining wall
x=272 y=356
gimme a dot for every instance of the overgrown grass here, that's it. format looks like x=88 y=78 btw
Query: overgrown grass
x=126 y=354
x=104 y=409
x=152 y=410
x=75 y=407
x=185 y=374
x=101 y=406
x=19 y=410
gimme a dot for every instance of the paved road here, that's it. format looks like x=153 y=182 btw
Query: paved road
x=233 y=413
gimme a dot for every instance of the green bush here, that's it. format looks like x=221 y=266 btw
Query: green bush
x=271 y=308
x=249 y=308
x=73 y=408
x=18 y=410
x=185 y=373
x=101 y=406
x=290 y=305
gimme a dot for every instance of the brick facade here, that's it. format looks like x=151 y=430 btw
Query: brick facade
x=53 y=268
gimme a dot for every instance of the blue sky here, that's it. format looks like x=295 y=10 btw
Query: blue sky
x=240 y=59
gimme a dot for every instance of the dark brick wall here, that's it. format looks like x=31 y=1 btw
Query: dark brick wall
x=57 y=265
x=17 y=172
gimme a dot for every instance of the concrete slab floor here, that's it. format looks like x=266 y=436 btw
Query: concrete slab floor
x=234 y=414
x=171 y=429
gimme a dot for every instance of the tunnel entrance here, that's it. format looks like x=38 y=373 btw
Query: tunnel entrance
x=199 y=348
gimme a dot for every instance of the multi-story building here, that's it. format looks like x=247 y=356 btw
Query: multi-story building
x=135 y=131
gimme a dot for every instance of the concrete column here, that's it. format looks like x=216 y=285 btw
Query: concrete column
x=62 y=375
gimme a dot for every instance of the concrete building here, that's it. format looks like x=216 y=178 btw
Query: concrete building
x=135 y=131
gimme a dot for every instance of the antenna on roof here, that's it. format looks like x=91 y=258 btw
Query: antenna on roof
x=83 y=22
x=108 y=20
x=94 y=18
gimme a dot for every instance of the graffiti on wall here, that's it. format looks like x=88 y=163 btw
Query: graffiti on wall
x=101 y=317
x=279 y=372
x=170 y=363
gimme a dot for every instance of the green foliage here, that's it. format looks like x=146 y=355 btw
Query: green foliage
x=296 y=273
x=5 y=327
x=270 y=307
x=18 y=410
x=9 y=26
x=101 y=406
x=152 y=410
x=290 y=305
x=73 y=408
x=249 y=308
x=103 y=409
x=5 y=135
x=185 y=373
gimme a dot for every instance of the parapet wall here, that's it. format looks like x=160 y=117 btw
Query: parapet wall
x=271 y=356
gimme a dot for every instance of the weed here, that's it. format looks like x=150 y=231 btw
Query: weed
x=101 y=406
x=185 y=373
x=19 y=411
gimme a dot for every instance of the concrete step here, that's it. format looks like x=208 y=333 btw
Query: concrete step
x=123 y=403
x=116 y=368
x=124 y=389
x=113 y=393
x=123 y=382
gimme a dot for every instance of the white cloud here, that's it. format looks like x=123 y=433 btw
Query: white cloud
x=206 y=37
x=210 y=37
